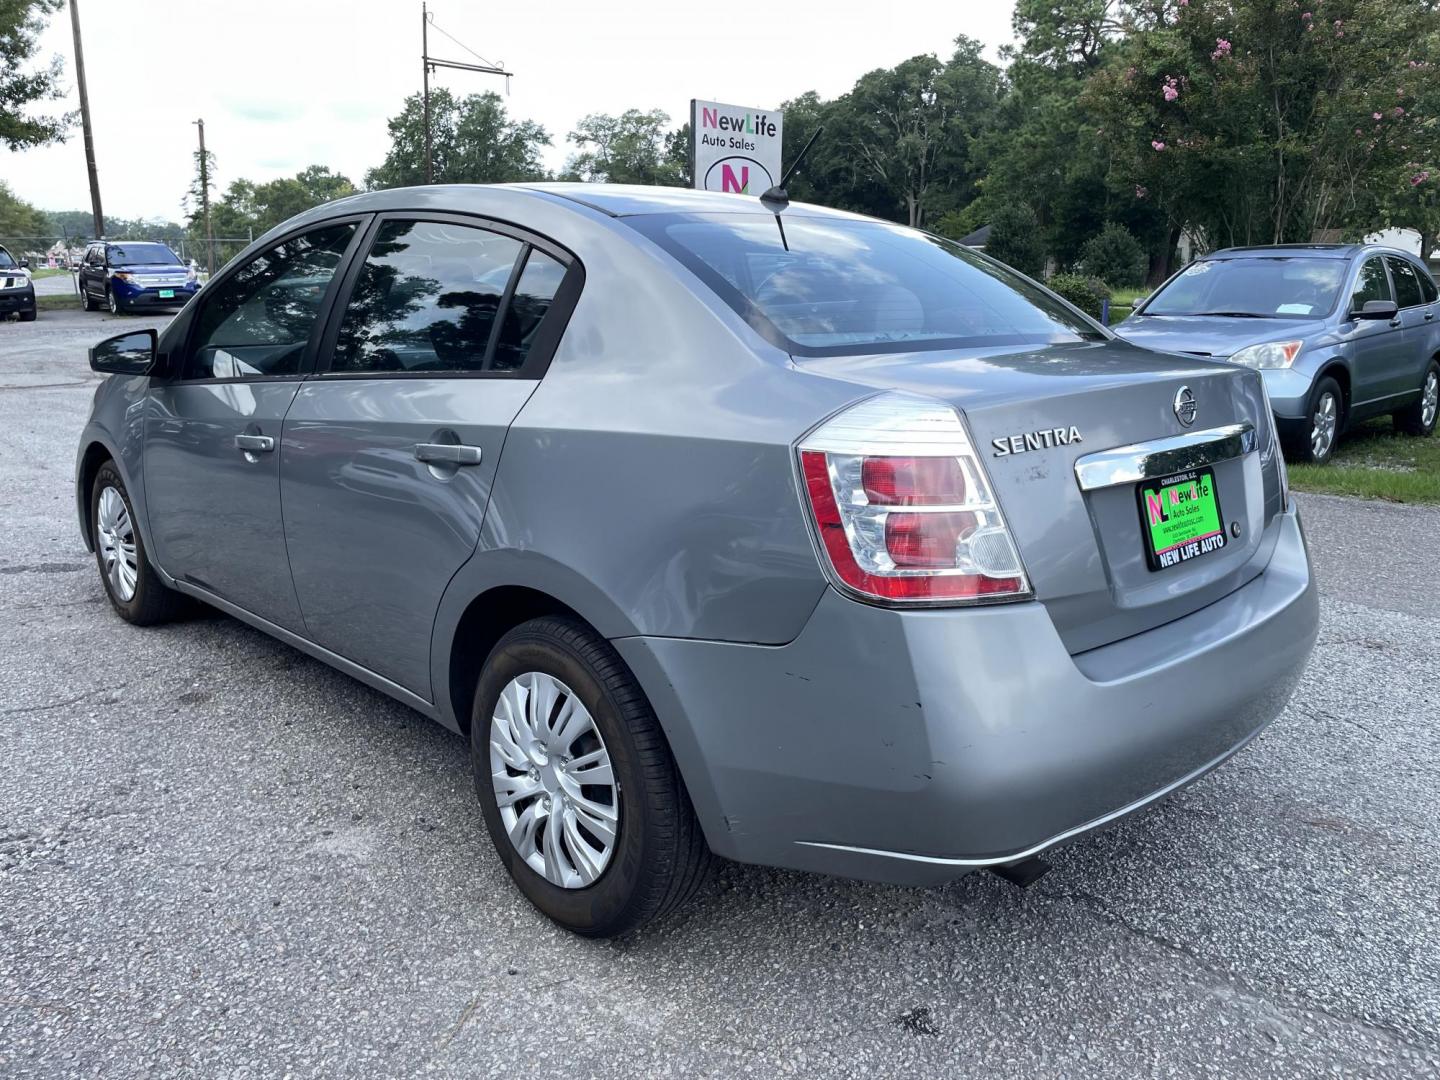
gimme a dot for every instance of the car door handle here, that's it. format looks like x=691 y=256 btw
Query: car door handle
x=255 y=444
x=1429 y=315
x=447 y=453
x=1394 y=322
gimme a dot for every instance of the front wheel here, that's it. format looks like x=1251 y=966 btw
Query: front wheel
x=86 y=300
x=134 y=588
x=112 y=301
x=27 y=316
x=1419 y=419
x=1316 y=440
x=581 y=796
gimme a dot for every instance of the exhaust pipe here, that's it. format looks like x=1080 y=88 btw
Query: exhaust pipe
x=1024 y=873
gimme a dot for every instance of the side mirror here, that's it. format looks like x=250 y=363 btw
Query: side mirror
x=1377 y=309
x=24 y=264
x=125 y=354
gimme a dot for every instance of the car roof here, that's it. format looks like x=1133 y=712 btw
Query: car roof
x=627 y=200
x=1308 y=251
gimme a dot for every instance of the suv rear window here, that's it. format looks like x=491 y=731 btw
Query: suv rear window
x=823 y=287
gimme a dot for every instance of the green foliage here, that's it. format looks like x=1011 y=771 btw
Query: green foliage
x=21 y=23
x=17 y=217
x=632 y=148
x=473 y=141
x=1114 y=256
x=1086 y=293
x=1015 y=239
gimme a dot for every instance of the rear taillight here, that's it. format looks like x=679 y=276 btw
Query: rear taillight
x=903 y=508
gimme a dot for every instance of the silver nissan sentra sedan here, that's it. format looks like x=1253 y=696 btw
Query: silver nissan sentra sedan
x=719 y=527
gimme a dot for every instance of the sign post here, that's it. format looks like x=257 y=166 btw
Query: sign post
x=735 y=148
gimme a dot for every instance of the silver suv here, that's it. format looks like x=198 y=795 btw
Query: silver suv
x=717 y=527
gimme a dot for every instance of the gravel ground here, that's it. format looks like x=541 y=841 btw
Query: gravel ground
x=219 y=858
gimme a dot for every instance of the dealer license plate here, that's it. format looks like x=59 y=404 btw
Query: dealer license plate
x=1180 y=518
x=167 y=294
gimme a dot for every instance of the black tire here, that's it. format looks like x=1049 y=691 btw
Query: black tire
x=1301 y=446
x=113 y=302
x=86 y=300
x=153 y=601
x=1411 y=421
x=27 y=316
x=660 y=858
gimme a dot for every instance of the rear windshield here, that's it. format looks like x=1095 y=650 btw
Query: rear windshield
x=829 y=287
x=1261 y=287
x=142 y=255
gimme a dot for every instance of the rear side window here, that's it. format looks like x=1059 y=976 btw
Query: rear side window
x=1407 y=282
x=823 y=286
x=1427 y=286
x=1372 y=284
x=426 y=299
x=258 y=320
x=534 y=293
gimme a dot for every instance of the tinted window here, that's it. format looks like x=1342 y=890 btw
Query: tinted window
x=828 y=287
x=1427 y=286
x=1285 y=287
x=534 y=292
x=426 y=299
x=142 y=255
x=1372 y=284
x=95 y=256
x=5 y=260
x=1407 y=283
x=258 y=320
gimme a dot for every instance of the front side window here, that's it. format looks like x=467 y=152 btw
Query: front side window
x=1407 y=282
x=1254 y=287
x=823 y=286
x=1372 y=284
x=425 y=299
x=258 y=320
x=6 y=262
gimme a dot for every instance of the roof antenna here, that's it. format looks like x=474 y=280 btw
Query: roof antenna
x=776 y=198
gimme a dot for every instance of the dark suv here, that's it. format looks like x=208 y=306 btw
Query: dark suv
x=17 y=291
x=130 y=274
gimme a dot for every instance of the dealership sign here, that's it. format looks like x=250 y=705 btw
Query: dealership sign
x=735 y=148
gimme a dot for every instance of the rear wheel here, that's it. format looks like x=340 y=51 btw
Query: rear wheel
x=134 y=588
x=1419 y=419
x=581 y=796
x=1315 y=442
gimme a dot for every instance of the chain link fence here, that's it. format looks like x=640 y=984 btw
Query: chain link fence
x=64 y=253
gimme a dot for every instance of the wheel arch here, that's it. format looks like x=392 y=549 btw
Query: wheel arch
x=1335 y=369
x=95 y=454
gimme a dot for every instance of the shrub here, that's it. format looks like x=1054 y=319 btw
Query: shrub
x=1015 y=239
x=1086 y=293
x=1114 y=256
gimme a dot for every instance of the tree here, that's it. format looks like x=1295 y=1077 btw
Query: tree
x=1015 y=239
x=17 y=217
x=1114 y=256
x=632 y=148
x=1264 y=122
x=474 y=141
x=21 y=22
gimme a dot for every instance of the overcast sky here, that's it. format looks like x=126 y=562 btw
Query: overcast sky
x=283 y=84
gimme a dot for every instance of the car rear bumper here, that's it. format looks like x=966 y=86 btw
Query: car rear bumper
x=915 y=746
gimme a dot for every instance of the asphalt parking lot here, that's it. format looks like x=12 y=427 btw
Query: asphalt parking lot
x=220 y=858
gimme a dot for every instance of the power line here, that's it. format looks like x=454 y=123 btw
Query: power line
x=429 y=63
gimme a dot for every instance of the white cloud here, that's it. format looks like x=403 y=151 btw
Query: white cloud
x=286 y=83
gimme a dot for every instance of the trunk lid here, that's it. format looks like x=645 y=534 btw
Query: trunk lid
x=1033 y=412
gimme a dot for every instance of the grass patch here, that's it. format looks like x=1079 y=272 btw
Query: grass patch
x=1374 y=462
x=50 y=271
x=1127 y=297
x=57 y=303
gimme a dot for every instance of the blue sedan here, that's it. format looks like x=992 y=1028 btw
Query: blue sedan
x=1340 y=333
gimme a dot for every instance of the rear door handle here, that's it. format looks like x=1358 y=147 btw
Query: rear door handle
x=1429 y=315
x=447 y=453
x=255 y=444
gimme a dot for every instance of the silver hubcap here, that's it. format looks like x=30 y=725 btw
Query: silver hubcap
x=116 y=540
x=557 y=794
x=1430 y=398
x=114 y=304
x=1322 y=427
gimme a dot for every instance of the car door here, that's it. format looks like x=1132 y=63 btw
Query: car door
x=1376 y=347
x=213 y=422
x=92 y=272
x=390 y=450
x=1417 y=317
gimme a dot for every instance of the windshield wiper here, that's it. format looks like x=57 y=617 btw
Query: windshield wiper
x=1228 y=314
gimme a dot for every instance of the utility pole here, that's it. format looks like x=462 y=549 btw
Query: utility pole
x=85 y=124
x=205 y=201
x=428 y=65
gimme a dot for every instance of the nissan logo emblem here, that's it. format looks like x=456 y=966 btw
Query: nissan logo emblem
x=1185 y=407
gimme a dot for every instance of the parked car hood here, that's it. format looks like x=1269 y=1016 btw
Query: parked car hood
x=1209 y=335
